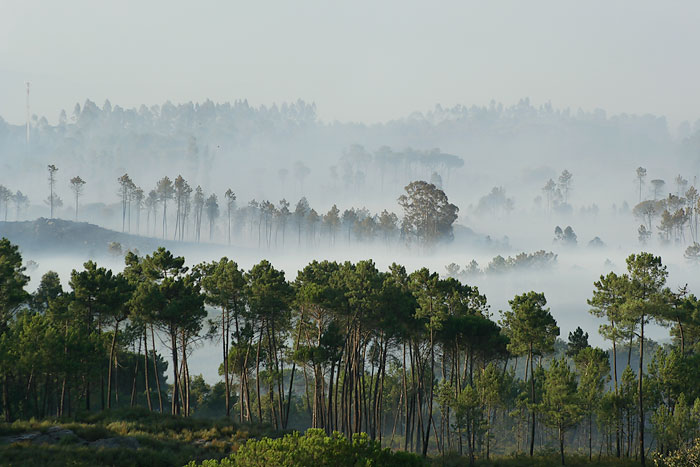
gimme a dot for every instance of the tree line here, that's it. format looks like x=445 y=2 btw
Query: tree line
x=416 y=361
x=428 y=216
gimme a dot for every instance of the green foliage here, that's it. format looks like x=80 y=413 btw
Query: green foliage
x=560 y=403
x=578 y=340
x=684 y=457
x=529 y=325
x=314 y=448
x=12 y=281
x=428 y=215
x=372 y=351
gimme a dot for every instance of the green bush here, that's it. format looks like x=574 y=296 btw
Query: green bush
x=316 y=449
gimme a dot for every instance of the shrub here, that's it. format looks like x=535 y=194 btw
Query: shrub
x=317 y=449
x=686 y=456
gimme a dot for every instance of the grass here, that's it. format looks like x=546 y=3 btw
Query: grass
x=539 y=460
x=164 y=440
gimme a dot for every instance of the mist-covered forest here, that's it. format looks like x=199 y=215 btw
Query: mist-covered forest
x=414 y=280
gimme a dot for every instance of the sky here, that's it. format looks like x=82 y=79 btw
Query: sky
x=364 y=61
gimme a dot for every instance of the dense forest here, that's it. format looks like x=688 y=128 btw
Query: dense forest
x=417 y=362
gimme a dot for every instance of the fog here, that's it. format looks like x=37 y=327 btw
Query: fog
x=351 y=130
x=288 y=152
x=567 y=284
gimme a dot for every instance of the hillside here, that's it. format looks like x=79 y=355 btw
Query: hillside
x=42 y=236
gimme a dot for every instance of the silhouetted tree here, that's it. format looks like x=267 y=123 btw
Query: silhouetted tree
x=165 y=191
x=641 y=174
x=52 y=181
x=212 y=208
x=565 y=184
x=125 y=185
x=578 y=340
x=77 y=184
x=427 y=212
x=230 y=206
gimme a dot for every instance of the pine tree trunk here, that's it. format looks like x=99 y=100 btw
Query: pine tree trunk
x=532 y=397
x=224 y=343
x=111 y=360
x=155 y=371
x=640 y=395
x=145 y=370
x=561 y=444
x=175 y=403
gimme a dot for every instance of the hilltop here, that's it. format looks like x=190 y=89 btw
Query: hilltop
x=76 y=238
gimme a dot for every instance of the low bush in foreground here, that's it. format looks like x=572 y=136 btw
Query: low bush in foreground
x=315 y=448
x=686 y=456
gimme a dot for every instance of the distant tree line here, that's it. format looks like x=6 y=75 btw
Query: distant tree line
x=427 y=219
x=539 y=260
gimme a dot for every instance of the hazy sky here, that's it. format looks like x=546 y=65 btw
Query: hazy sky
x=360 y=60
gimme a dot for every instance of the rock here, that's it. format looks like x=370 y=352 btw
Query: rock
x=52 y=436
x=127 y=442
x=22 y=437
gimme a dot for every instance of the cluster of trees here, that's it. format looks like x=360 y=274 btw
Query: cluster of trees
x=565 y=237
x=557 y=193
x=677 y=213
x=539 y=260
x=428 y=215
x=495 y=203
x=413 y=360
x=19 y=200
